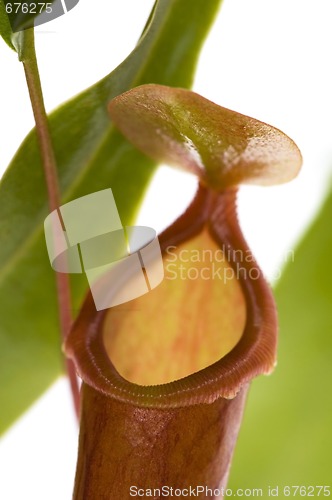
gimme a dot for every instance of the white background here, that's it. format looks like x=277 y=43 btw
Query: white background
x=269 y=59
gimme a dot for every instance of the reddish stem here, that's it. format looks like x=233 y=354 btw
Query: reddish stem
x=50 y=170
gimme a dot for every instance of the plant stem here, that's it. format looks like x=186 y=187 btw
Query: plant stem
x=29 y=60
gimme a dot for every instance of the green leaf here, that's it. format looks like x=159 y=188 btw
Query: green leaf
x=286 y=437
x=91 y=156
x=222 y=147
x=5 y=28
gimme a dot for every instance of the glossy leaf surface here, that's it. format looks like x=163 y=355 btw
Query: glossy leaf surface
x=91 y=156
